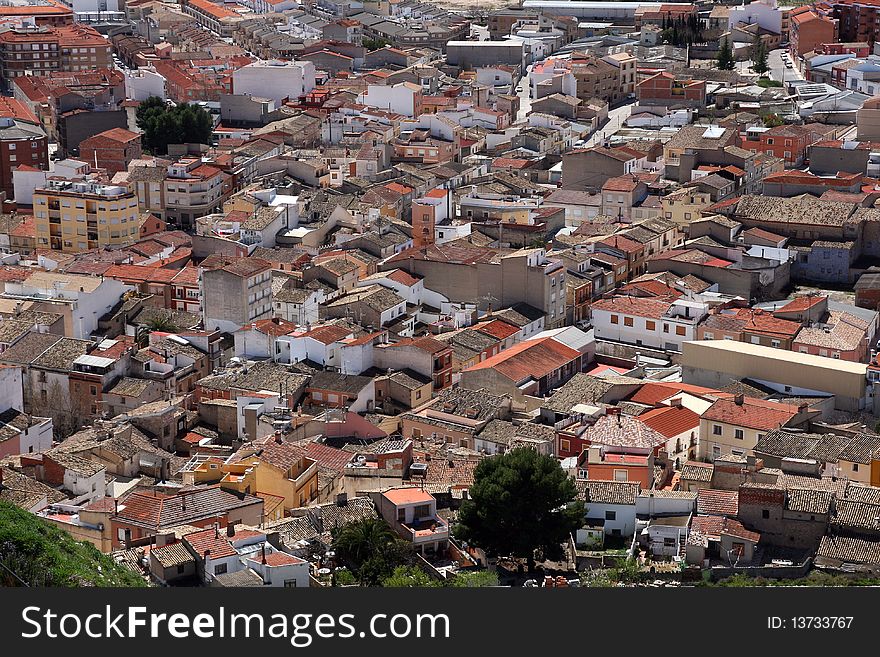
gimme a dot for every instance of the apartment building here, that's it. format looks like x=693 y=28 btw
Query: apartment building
x=22 y=142
x=79 y=216
x=236 y=292
x=193 y=189
x=35 y=51
x=112 y=149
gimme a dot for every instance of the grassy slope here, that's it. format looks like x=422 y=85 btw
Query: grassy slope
x=44 y=555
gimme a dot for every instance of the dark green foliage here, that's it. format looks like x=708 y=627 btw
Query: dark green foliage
x=520 y=502
x=759 y=56
x=725 y=60
x=374 y=44
x=681 y=32
x=409 y=577
x=44 y=555
x=474 y=579
x=372 y=550
x=163 y=125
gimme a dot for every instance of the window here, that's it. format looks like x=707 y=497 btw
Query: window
x=620 y=475
x=716 y=430
x=708 y=335
x=765 y=513
x=564 y=445
x=220 y=568
x=680 y=330
x=855 y=467
x=775 y=343
x=180 y=569
x=611 y=515
x=650 y=326
x=755 y=339
x=614 y=319
x=401 y=515
x=738 y=434
x=627 y=321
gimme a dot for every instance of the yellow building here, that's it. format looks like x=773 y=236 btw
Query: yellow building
x=685 y=205
x=79 y=216
x=275 y=469
x=266 y=468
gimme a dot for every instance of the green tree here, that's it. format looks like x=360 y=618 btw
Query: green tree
x=521 y=501
x=759 y=56
x=772 y=120
x=163 y=125
x=409 y=577
x=374 y=44
x=725 y=59
x=372 y=549
x=474 y=579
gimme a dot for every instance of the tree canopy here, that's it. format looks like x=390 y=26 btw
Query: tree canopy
x=163 y=125
x=725 y=58
x=521 y=501
x=372 y=550
x=759 y=56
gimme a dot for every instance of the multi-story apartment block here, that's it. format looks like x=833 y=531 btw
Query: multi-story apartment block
x=193 y=189
x=236 y=292
x=22 y=142
x=36 y=51
x=78 y=216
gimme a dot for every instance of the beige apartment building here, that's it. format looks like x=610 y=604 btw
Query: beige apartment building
x=78 y=216
x=626 y=67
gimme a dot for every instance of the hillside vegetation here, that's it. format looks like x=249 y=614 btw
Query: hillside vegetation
x=40 y=554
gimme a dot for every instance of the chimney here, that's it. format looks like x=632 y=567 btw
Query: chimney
x=216 y=530
x=263 y=546
x=278 y=438
x=738 y=399
x=230 y=530
x=115 y=503
x=675 y=403
x=802 y=407
x=342 y=499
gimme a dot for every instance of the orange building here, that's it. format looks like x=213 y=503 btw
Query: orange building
x=664 y=88
x=809 y=30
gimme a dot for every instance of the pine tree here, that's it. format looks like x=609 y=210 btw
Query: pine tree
x=759 y=56
x=725 y=59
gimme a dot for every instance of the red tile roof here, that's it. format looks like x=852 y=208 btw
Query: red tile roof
x=275 y=326
x=800 y=304
x=213 y=540
x=497 y=328
x=328 y=457
x=718 y=502
x=402 y=277
x=653 y=393
x=532 y=358
x=649 y=307
x=671 y=421
x=623 y=244
x=752 y=413
x=276 y=559
x=327 y=334
x=620 y=184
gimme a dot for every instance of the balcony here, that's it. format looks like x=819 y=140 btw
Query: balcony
x=427 y=530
